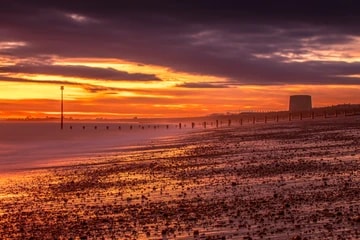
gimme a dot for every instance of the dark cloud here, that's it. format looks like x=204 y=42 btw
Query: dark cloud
x=237 y=40
x=78 y=71
x=88 y=87
x=93 y=88
x=202 y=85
x=200 y=9
x=25 y=80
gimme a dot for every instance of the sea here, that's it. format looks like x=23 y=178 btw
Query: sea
x=27 y=145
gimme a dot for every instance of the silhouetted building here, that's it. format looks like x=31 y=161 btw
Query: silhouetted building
x=300 y=103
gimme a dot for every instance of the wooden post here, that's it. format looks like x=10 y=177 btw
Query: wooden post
x=289 y=117
x=62 y=107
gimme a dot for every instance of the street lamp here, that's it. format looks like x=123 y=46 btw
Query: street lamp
x=62 y=106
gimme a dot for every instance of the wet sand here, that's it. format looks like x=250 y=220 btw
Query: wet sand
x=295 y=180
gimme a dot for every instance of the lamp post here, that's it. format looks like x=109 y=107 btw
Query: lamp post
x=62 y=106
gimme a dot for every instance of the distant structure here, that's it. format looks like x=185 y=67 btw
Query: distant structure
x=300 y=103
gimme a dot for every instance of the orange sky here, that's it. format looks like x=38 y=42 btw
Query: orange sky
x=41 y=98
x=154 y=63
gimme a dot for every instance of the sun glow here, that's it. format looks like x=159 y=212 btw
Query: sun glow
x=37 y=95
x=96 y=97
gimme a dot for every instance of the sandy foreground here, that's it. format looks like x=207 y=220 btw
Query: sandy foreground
x=294 y=180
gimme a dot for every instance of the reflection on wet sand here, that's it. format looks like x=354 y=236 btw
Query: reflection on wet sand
x=298 y=180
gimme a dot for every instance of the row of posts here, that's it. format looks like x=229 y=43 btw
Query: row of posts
x=253 y=119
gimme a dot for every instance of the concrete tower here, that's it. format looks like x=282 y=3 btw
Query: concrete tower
x=300 y=103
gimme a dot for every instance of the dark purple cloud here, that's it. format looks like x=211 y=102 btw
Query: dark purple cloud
x=220 y=38
x=202 y=85
x=78 y=71
x=93 y=88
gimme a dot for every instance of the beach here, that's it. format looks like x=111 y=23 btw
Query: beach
x=288 y=180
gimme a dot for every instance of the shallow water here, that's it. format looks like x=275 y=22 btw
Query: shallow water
x=36 y=144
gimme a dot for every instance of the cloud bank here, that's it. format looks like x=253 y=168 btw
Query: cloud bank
x=251 y=42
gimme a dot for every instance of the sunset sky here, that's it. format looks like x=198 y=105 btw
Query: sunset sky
x=175 y=58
